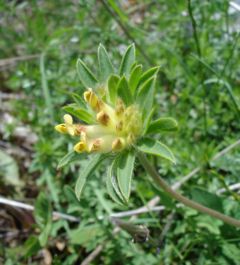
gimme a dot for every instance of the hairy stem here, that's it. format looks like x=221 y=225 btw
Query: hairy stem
x=153 y=173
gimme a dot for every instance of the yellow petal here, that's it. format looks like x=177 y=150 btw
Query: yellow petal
x=80 y=147
x=92 y=99
x=86 y=95
x=71 y=130
x=61 y=128
x=68 y=119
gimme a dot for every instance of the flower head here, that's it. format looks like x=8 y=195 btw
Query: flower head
x=116 y=127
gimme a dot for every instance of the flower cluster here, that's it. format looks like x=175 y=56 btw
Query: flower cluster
x=115 y=121
x=115 y=129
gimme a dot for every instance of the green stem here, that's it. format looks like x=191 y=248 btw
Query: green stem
x=194 y=26
x=126 y=31
x=153 y=173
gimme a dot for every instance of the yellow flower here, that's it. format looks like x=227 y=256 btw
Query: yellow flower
x=68 y=126
x=117 y=128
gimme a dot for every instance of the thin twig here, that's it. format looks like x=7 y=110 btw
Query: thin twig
x=231 y=188
x=138 y=211
x=31 y=208
x=169 y=222
x=4 y=63
x=235 y=5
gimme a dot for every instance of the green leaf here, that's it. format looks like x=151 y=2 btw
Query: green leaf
x=112 y=88
x=83 y=235
x=125 y=165
x=9 y=171
x=232 y=252
x=111 y=185
x=31 y=246
x=166 y=199
x=43 y=237
x=163 y=125
x=154 y=147
x=79 y=113
x=145 y=95
x=134 y=77
x=42 y=210
x=124 y=92
x=105 y=65
x=85 y=75
x=68 y=158
x=148 y=74
x=43 y=217
x=148 y=119
x=127 y=60
x=86 y=172
x=207 y=199
x=69 y=193
x=79 y=100
x=205 y=222
x=118 y=10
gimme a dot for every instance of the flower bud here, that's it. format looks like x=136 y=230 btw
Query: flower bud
x=95 y=145
x=103 y=118
x=119 y=107
x=118 y=144
x=92 y=99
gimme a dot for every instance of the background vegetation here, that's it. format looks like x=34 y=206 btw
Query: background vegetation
x=196 y=43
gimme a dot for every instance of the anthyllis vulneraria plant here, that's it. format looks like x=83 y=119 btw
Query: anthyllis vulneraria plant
x=116 y=121
x=115 y=118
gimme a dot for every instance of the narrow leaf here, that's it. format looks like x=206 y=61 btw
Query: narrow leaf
x=154 y=147
x=31 y=246
x=148 y=74
x=127 y=60
x=43 y=217
x=110 y=185
x=125 y=165
x=207 y=199
x=42 y=210
x=86 y=172
x=68 y=158
x=70 y=195
x=163 y=125
x=146 y=94
x=148 y=119
x=118 y=10
x=134 y=78
x=124 y=92
x=79 y=100
x=112 y=88
x=85 y=234
x=85 y=75
x=79 y=113
x=105 y=65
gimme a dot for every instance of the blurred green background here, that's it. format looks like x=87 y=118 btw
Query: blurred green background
x=197 y=45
